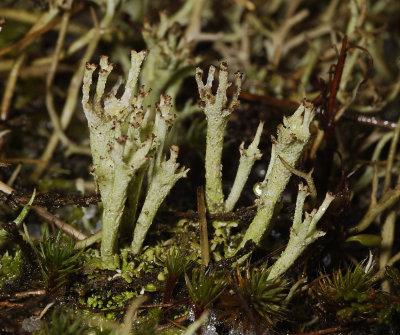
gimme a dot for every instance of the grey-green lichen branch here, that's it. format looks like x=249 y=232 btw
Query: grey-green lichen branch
x=123 y=139
x=303 y=232
x=247 y=158
x=293 y=137
x=165 y=175
x=218 y=110
x=117 y=154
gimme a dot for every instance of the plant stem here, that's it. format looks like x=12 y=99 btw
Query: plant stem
x=204 y=246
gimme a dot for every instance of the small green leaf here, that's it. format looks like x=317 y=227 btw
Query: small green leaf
x=367 y=240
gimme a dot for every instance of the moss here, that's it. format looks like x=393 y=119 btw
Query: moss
x=9 y=267
x=108 y=302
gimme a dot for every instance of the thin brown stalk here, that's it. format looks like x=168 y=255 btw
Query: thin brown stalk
x=31 y=18
x=27 y=294
x=62 y=225
x=201 y=209
x=307 y=177
x=10 y=87
x=23 y=161
x=48 y=217
x=14 y=175
x=32 y=35
x=51 y=74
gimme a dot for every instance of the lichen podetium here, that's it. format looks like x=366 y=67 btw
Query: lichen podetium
x=217 y=110
x=123 y=140
x=293 y=137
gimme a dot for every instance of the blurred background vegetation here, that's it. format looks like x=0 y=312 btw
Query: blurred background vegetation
x=342 y=55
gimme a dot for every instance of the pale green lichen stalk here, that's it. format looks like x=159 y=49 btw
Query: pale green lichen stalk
x=165 y=175
x=293 y=137
x=302 y=234
x=122 y=140
x=117 y=154
x=247 y=158
x=217 y=111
